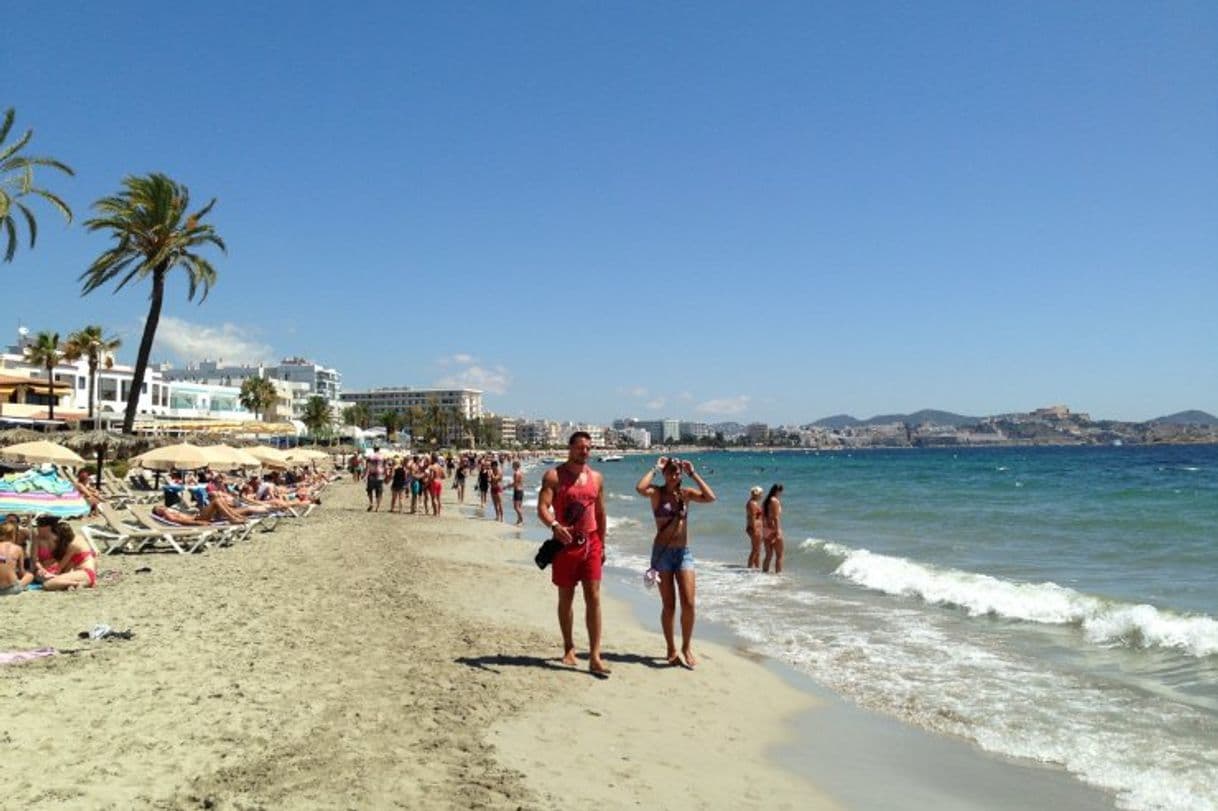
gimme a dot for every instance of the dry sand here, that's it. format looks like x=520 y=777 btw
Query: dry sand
x=371 y=661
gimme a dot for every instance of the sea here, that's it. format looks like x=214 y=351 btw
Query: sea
x=1054 y=604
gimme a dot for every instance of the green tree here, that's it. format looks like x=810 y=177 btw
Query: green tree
x=44 y=351
x=17 y=182
x=91 y=342
x=357 y=415
x=391 y=420
x=316 y=416
x=258 y=395
x=435 y=421
x=154 y=232
x=416 y=422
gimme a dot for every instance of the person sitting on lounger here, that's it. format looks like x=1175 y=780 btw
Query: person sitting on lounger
x=63 y=561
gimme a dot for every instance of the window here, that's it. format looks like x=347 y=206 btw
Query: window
x=107 y=389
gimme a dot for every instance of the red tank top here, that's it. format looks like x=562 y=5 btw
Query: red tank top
x=575 y=501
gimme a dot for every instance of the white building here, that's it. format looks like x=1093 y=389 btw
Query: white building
x=466 y=402
x=301 y=377
x=641 y=437
x=161 y=402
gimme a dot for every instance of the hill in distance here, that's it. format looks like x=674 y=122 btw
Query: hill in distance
x=1193 y=417
x=929 y=415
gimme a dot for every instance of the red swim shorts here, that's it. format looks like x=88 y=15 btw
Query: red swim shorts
x=575 y=563
x=437 y=487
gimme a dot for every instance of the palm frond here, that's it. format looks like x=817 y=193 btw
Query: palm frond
x=30 y=222
x=9 y=115
x=50 y=163
x=11 y=231
x=15 y=146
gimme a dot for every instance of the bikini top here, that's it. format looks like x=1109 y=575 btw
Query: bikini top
x=667 y=509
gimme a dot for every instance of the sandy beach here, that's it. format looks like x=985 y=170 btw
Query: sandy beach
x=372 y=661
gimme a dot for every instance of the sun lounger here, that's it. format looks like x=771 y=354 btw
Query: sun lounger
x=226 y=533
x=118 y=535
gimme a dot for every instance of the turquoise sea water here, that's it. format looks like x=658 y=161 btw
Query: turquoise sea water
x=1057 y=604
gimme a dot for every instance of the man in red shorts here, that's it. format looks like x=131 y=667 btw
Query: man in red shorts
x=572 y=505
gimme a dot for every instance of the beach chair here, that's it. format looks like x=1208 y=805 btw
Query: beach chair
x=118 y=535
x=226 y=534
x=115 y=488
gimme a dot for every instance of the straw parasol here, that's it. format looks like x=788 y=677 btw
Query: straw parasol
x=103 y=442
x=12 y=436
x=41 y=452
x=182 y=456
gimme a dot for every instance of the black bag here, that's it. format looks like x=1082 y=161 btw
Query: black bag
x=547 y=552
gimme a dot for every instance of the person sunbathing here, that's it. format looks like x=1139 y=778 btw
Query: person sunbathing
x=216 y=511
x=63 y=561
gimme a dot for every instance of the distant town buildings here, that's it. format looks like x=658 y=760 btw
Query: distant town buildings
x=465 y=402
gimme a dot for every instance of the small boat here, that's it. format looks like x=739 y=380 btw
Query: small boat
x=611 y=458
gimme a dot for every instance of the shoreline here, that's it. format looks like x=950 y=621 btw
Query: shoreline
x=842 y=747
x=425 y=675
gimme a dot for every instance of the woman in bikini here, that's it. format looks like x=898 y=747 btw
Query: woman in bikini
x=771 y=512
x=670 y=554
x=752 y=527
x=496 y=481
x=63 y=560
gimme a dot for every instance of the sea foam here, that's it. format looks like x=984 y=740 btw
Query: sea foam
x=1104 y=622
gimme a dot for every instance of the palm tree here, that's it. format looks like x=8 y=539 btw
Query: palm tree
x=258 y=395
x=90 y=342
x=416 y=421
x=17 y=181
x=316 y=415
x=154 y=233
x=392 y=420
x=357 y=415
x=44 y=352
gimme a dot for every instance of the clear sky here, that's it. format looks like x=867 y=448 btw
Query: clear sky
x=772 y=211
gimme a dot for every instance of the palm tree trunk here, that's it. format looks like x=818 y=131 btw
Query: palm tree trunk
x=141 y=360
x=92 y=386
x=50 y=391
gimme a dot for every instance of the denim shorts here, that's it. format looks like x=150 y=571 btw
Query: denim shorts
x=672 y=559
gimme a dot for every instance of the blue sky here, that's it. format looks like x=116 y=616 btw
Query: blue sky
x=713 y=211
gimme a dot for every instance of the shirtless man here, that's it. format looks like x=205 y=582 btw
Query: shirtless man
x=518 y=492
x=572 y=505
x=438 y=472
x=13 y=574
x=373 y=480
x=752 y=526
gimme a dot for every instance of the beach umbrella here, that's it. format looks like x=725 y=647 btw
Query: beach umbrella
x=41 y=452
x=306 y=455
x=225 y=457
x=182 y=456
x=104 y=442
x=41 y=492
x=268 y=456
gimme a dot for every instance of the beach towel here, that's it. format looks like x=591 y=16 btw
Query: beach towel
x=16 y=657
